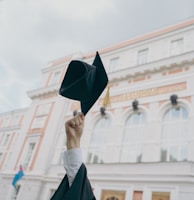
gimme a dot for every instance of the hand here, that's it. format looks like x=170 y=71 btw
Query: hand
x=74 y=129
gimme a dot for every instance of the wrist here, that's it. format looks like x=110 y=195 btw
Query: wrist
x=72 y=144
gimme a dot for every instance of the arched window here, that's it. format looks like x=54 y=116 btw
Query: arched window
x=98 y=141
x=174 y=140
x=131 y=150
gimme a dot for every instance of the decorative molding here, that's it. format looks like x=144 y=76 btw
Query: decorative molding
x=52 y=90
x=137 y=71
x=164 y=89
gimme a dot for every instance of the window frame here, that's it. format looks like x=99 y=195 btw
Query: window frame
x=55 y=78
x=96 y=151
x=142 y=56
x=114 y=64
x=171 y=144
x=175 y=47
x=31 y=139
x=133 y=146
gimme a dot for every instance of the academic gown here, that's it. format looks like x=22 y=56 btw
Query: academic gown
x=79 y=190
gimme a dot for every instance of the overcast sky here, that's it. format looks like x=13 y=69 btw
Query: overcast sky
x=34 y=32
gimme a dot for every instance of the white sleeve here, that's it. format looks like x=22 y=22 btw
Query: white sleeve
x=72 y=162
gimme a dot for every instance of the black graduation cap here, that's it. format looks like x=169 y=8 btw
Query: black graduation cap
x=84 y=82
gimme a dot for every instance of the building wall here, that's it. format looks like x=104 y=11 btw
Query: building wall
x=149 y=68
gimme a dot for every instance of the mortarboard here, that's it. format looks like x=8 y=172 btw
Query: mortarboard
x=84 y=82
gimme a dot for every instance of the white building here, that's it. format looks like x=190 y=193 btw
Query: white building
x=141 y=149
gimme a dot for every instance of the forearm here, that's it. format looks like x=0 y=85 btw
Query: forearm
x=73 y=156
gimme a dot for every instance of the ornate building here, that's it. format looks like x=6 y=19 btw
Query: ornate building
x=140 y=147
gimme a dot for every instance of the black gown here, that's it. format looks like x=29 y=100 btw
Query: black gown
x=79 y=190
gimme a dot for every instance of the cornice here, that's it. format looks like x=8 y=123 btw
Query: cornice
x=128 y=72
x=46 y=91
x=152 y=67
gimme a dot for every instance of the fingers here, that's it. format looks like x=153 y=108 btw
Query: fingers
x=76 y=121
x=79 y=119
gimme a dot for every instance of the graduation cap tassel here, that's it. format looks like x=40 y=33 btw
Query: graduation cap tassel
x=106 y=101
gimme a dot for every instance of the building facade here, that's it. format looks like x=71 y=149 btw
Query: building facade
x=140 y=148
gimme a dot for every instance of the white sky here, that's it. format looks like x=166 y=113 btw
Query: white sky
x=34 y=32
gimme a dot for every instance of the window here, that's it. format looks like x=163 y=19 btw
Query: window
x=137 y=195
x=41 y=116
x=15 y=121
x=39 y=122
x=161 y=196
x=177 y=46
x=142 y=56
x=29 y=153
x=6 y=139
x=55 y=78
x=114 y=64
x=134 y=131
x=98 y=141
x=174 y=141
x=113 y=195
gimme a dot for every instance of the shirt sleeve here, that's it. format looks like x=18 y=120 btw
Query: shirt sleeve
x=72 y=162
